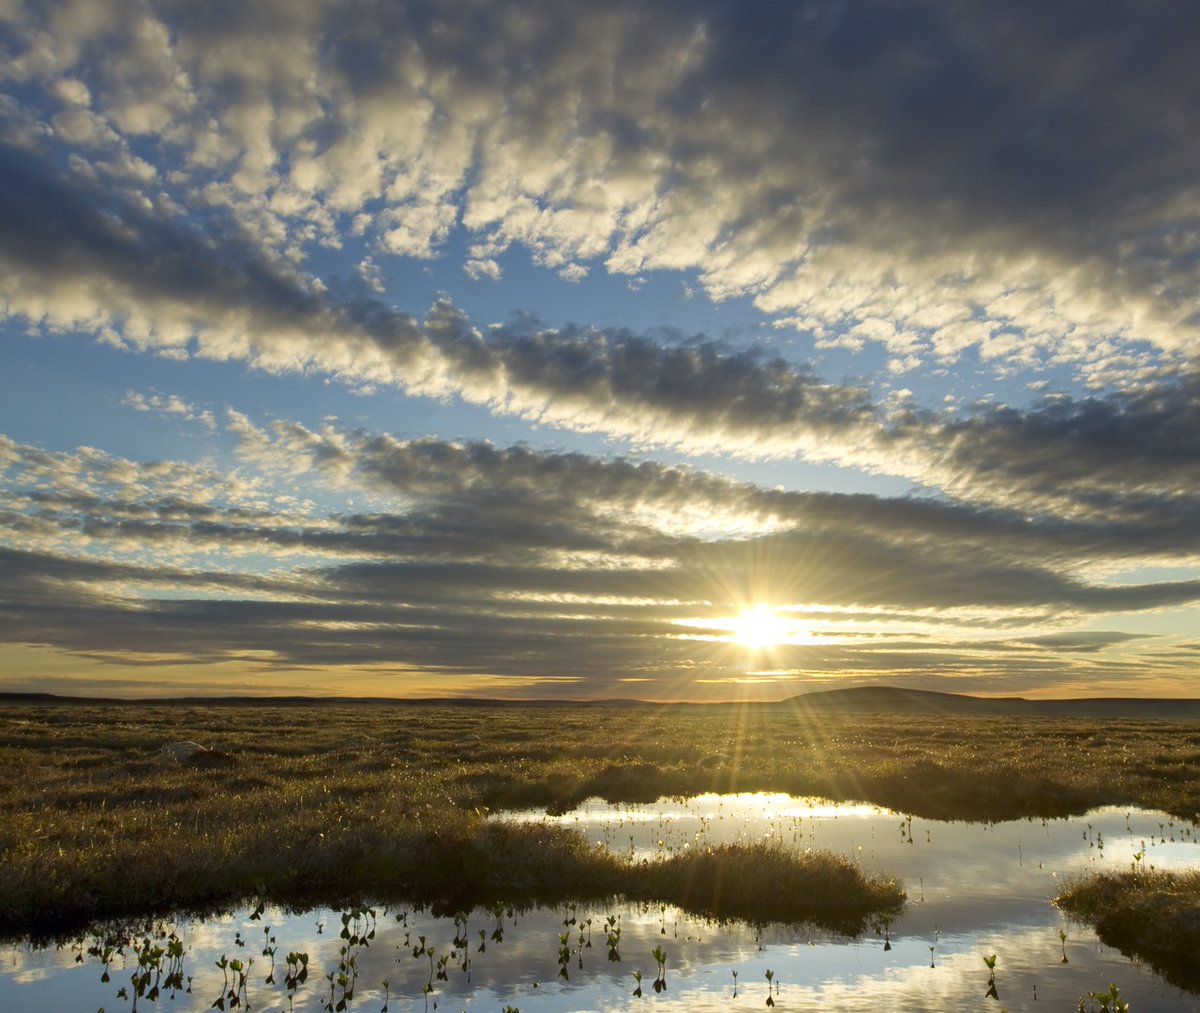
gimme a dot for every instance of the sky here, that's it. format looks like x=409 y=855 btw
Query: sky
x=678 y=351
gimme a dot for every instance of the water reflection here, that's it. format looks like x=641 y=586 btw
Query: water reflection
x=976 y=892
x=958 y=875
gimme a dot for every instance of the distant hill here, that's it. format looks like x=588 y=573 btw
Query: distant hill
x=892 y=700
x=53 y=699
x=853 y=700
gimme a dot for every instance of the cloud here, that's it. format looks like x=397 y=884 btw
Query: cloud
x=1088 y=641
x=1132 y=456
x=852 y=205
x=507 y=561
x=77 y=264
x=999 y=180
x=211 y=295
x=951 y=185
x=169 y=405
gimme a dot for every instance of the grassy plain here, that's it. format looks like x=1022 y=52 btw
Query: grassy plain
x=335 y=803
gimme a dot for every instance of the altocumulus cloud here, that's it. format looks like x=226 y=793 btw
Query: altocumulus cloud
x=76 y=262
x=932 y=176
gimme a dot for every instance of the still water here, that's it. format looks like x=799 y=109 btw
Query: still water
x=974 y=890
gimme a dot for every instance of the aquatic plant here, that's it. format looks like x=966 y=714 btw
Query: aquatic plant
x=991 y=992
x=105 y=949
x=150 y=975
x=498 y=909
x=612 y=931
x=296 y=975
x=883 y=926
x=358 y=926
x=342 y=981
x=268 y=951
x=660 y=980
x=564 y=954
x=297 y=970
x=1110 y=1001
x=234 y=990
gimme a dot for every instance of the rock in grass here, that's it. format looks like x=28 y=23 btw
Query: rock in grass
x=183 y=750
x=192 y=754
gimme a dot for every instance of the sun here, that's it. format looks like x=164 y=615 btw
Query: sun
x=759 y=627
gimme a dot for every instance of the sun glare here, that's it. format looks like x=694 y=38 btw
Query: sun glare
x=759 y=627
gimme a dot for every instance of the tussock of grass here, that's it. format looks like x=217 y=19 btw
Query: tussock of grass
x=764 y=883
x=1152 y=915
x=756 y=883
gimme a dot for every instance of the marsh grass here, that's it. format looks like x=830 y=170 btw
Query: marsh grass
x=330 y=803
x=1151 y=915
x=762 y=883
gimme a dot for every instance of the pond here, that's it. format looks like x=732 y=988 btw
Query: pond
x=974 y=891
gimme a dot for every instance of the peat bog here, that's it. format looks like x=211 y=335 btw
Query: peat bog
x=339 y=804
